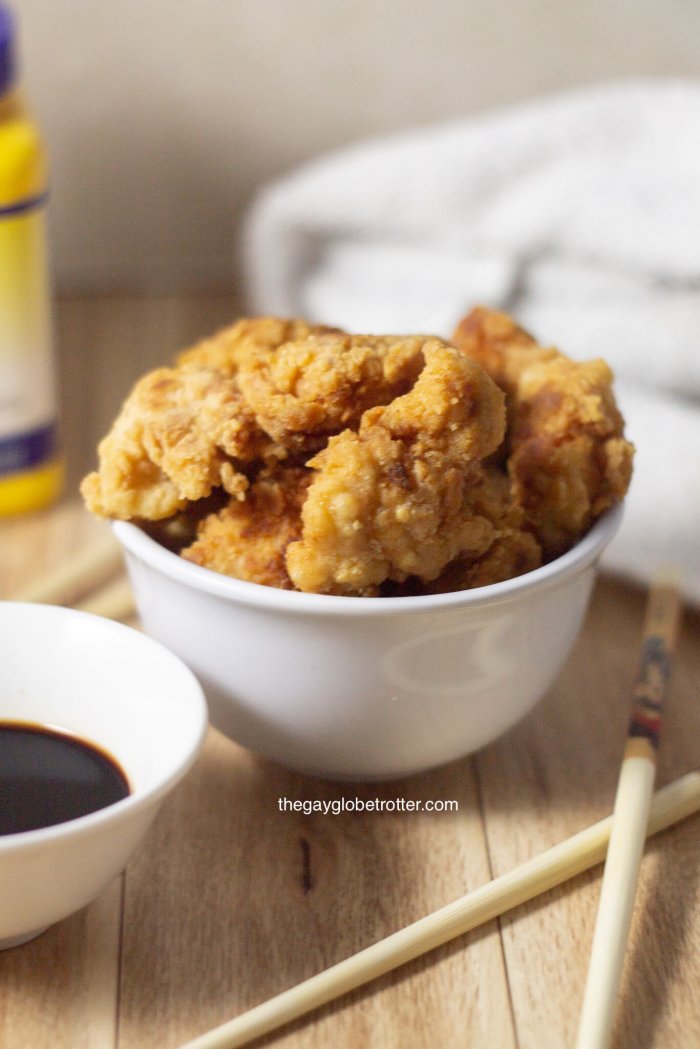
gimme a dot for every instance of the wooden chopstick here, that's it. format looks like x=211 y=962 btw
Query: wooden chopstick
x=77 y=575
x=675 y=802
x=630 y=814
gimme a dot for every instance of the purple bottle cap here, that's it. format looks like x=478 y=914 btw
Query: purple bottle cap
x=8 y=66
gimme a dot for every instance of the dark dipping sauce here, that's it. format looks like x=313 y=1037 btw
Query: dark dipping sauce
x=48 y=777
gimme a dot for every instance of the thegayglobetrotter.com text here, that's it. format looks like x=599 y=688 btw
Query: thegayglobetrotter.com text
x=336 y=806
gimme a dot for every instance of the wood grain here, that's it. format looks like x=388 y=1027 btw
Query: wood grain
x=332 y=884
x=229 y=901
x=60 y=990
x=560 y=767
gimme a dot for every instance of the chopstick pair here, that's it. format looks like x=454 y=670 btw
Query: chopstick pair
x=635 y=816
x=87 y=581
x=577 y=854
x=630 y=814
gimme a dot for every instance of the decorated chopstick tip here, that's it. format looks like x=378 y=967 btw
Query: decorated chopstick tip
x=651 y=682
x=630 y=814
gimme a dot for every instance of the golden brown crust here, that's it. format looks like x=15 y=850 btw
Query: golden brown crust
x=170 y=445
x=569 y=461
x=499 y=345
x=511 y=550
x=260 y=391
x=388 y=502
x=406 y=490
x=322 y=384
x=567 y=456
x=186 y=430
x=248 y=538
x=229 y=348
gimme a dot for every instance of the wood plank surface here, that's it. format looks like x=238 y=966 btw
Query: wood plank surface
x=233 y=901
x=228 y=900
x=555 y=774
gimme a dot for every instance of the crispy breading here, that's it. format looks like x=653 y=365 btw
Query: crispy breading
x=514 y=550
x=388 y=501
x=323 y=384
x=171 y=445
x=500 y=346
x=261 y=336
x=186 y=430
x=512 y=554
x=248 y=538
x=246 y=395
x=411 y=487
x=568 y=459
x=511 y=551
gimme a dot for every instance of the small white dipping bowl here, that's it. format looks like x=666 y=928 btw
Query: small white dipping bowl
x=365 y=688
x=111 y=686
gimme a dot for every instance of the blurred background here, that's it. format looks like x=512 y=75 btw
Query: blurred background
x=163 y=118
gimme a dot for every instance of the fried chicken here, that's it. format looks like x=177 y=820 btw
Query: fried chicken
x=301 y=457
x=257 y=336
x=171 y=445
x=511 y=552
x=500 y=346
x=186 y=430
x=389 y=501
x=566 y=454
x=322 y=385
x=248 y=538
x=260 y=391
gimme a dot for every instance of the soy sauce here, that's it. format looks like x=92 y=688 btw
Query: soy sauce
x=48 y=777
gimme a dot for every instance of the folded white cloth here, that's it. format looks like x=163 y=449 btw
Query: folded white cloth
x=579 y=214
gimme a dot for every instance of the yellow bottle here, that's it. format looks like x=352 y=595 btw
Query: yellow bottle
x=31 y=469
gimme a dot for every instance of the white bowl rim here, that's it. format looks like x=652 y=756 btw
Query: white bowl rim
x=136 y=799
x=574 y=561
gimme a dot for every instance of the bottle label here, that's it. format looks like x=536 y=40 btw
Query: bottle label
x=27 y=450
x=27 y=390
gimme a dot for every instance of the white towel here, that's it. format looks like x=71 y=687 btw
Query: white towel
x=579 y=214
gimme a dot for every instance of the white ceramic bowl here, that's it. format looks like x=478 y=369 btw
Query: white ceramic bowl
x=365 y=688
x=112 y=686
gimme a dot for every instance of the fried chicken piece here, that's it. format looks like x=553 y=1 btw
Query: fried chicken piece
x=512 y=554
x=568 y=459
x=248 y=538
x=171 y=444
x=507 y=557
x=512 y=551
x=500 y=346
x=260 y=336
x=259 y=391
x=389 y=501
x=180 y=530
x=321 y=385
x=186 y=430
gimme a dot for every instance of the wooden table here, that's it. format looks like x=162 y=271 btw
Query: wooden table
x=229 y=900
